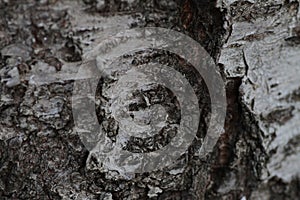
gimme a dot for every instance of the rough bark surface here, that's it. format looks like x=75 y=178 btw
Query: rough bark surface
x=255 y=44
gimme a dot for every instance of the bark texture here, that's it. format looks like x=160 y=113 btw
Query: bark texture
x=255 y=45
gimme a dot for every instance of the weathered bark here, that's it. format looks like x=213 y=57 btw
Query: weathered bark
x=255 y=44
x=262 y=49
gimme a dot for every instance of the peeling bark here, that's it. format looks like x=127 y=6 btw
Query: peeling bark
x=256 y=46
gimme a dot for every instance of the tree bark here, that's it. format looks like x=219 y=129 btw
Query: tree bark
x=255 y=45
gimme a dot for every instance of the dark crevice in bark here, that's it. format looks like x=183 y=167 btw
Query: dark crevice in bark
x=225 y=147
x=205 y=23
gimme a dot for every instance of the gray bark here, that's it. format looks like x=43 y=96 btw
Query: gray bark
x=255 y=44
x=263 y=50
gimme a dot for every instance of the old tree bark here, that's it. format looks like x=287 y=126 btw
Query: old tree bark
x=255 y=44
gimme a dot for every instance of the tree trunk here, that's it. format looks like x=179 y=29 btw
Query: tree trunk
x=255 y=45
